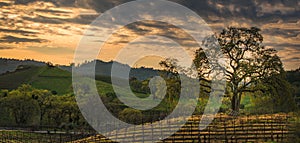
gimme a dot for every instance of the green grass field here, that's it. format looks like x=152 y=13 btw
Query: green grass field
x=13 y=80
x=14 y=136
x=52 y=79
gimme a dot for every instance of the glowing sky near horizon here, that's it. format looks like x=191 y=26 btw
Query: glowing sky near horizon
x=49 y=31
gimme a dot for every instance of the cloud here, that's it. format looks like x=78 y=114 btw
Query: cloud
x=60 y=21
x=271 y=7
x=53 y=11
x=12 y=39
x=139 y=29
x=290 y=56
x=50 y=50
x=83 y=19
x=282 y=32
x=5 y=48
x=290 y=45
x=18 y=31
x=4 y=4
x=43 y=19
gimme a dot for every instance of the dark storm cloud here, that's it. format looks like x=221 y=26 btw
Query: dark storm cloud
x=13 y=39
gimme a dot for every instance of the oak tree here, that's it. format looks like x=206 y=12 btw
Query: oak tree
x=248 y=61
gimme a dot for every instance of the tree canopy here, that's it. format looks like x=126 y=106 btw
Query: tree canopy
x=248 y=61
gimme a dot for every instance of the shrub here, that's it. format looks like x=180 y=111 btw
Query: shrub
x=130 y=115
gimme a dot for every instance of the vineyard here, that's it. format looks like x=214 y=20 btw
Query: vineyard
x=254 y=128
x=263 y=128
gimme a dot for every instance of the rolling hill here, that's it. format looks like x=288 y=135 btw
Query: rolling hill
x=51 y=78
x=10 y=65
x=41 y=77
x=104 y=69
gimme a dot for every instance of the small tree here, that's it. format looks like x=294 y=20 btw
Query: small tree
x=131 y=115
x=24 y=109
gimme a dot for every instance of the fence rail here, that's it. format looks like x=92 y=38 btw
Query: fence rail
x=273 y=127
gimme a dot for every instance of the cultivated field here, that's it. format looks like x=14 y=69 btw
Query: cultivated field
x=259 y=128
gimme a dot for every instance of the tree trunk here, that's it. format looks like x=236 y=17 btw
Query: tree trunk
x=235 y=103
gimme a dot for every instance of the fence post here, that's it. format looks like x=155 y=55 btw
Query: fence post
x=143 y=130
x=60 y=138
x=265 y=129
x=208 y=134
x=117 y=133
x=199 y=136
x=125 y=134
x=225 y=131
x=272 y=138
x=247 y=127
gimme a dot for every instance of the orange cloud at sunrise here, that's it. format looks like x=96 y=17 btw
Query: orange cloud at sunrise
x=51 y=31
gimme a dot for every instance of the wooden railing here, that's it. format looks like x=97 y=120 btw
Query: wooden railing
x=260 y=128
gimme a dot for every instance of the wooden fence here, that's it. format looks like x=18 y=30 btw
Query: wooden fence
x=260 y=128
x=255 y=128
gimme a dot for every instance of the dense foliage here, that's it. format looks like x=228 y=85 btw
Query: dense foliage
x=28 y=106
x=250 y=68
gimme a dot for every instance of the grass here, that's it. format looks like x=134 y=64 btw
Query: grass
x=60 y=85
x=104 y=87
x=54 y=72
x=60 y=81
x=246 y=101
x=13 y=136
x=15 y=79
x=52 y=79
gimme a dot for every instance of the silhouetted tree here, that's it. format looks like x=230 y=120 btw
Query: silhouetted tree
x=248 y=61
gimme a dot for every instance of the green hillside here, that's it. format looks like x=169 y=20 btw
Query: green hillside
x=50 y=78
x=22 y=75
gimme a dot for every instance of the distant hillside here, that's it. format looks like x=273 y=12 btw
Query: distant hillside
x=54 y=79
x=9 y=65
x=104 y=69
x=293 y=77
x=58 y=79
x=41 y=77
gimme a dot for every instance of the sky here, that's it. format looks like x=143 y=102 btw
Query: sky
x=50 y=30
